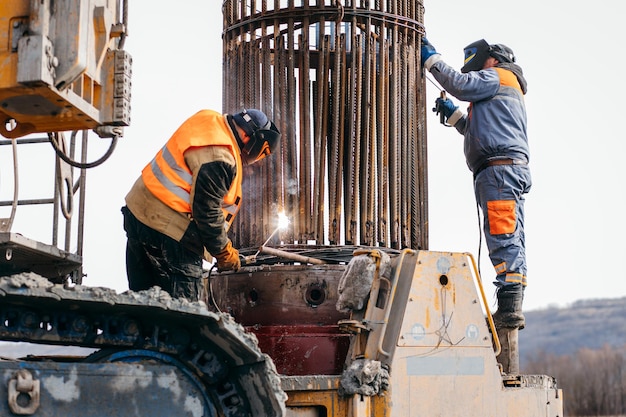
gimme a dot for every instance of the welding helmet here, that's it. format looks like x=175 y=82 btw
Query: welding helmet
x=475 y=55
x=262 y=133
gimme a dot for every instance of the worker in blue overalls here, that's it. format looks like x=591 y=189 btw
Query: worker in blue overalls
x=497 y=153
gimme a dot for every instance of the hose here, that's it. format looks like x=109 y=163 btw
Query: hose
x=210 y=296
x=82 y=165
x=64 y=182
x=120 y=44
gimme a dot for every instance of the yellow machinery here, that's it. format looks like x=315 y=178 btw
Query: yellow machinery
x=62 y=66
x=423 y=344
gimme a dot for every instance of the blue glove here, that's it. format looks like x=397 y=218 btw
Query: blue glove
x=427 y=50
x=445 y=106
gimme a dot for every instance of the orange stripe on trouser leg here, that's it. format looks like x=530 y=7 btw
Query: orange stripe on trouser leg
x=502 y=217
x=515 y=278
x=500 y=268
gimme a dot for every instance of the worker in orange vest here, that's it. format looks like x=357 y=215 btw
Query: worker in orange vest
x=187 y=197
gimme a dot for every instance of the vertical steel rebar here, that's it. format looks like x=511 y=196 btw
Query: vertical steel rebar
x=342 y=81
x=356 y=174
x=351 y=194
x=335 y=177
x=304 y=194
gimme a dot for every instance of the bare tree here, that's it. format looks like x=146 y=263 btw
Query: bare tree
x=594 y=380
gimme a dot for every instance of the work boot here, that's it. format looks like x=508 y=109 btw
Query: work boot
x=509 y=350
x=509 y=314
x=508 y=320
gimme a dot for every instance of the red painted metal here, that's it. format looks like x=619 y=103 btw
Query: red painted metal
x=304 y=350
x=291 y=309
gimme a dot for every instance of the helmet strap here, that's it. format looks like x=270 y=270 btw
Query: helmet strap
x=233 y=127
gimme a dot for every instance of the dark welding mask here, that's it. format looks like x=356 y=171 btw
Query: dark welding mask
x=263 y=135
x=475 y=56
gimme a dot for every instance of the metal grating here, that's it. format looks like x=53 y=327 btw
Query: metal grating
x=19 y=254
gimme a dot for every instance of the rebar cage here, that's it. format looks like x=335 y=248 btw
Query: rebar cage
x=343 y=83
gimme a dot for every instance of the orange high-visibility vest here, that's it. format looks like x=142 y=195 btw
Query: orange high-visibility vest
x=167 y=175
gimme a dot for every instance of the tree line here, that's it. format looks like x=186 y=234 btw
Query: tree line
x=593 y=381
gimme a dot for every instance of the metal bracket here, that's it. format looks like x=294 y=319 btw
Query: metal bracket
x=19 y=28
x=353 y=326
x=4 y=224
x=24 y=392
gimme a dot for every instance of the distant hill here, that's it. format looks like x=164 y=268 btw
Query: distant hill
x=584 y=324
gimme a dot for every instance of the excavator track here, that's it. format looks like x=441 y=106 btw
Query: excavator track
x=147 y=333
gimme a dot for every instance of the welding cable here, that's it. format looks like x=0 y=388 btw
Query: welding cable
x=434 y=83
x=65 y=187
x=480 y=236
x=211 y=297
x=52 y=136
x=120 y=43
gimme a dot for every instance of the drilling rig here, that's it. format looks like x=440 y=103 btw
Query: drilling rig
x=345 y=312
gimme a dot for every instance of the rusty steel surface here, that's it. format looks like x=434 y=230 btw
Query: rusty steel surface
x=291 y=310
x=280 y=295
x=342 y=82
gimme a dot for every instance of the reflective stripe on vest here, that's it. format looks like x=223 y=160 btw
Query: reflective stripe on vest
x=168 y=177
x=183 y=193
x=230 y=211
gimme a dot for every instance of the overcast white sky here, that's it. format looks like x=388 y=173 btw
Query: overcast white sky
x=571 y=59
x=574 y=223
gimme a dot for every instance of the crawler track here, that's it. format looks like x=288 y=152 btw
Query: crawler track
x=147 y=326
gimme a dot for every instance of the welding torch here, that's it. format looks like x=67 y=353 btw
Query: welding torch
x=437 y=109
x=251 y=259
x=283 y=221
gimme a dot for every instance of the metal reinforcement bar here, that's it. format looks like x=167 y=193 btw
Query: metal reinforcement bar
x=342 y=81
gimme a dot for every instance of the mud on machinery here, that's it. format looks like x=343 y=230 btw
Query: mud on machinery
x=379 y=328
